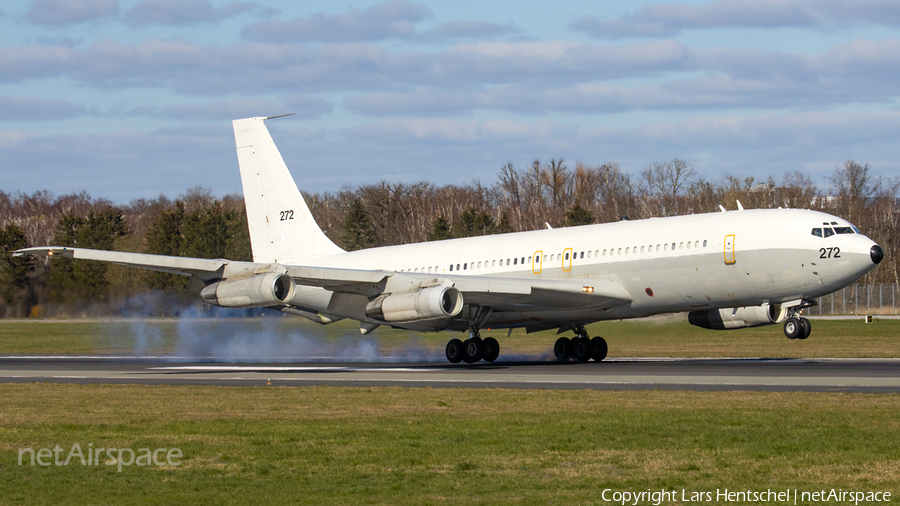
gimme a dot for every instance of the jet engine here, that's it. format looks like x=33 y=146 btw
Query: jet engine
x=434 y=302
x=260 y=290
x=738 y=317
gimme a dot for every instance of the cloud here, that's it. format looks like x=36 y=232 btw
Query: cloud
x=32 y=108
x=468 y=30
x=183 y=12
x=302 y=106
x=70 y=12
x=395 y=18
x=668 y=20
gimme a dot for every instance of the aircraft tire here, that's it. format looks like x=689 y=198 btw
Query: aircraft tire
x=473 y=350
x=563 y=349
x=806 y=328
x=581 y=349
x=491 y=349
x=599 y=349
x=792 y=328
x=454 y=351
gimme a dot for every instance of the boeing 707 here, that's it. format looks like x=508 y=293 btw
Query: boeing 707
x=727 y=270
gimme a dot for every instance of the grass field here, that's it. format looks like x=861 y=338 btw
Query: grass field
x=332 y=445
x=337 y=445
x=280 y=338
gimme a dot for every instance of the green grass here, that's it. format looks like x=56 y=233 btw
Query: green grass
x=664 y=336
x=333 y=445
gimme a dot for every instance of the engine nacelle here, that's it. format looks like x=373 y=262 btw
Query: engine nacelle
x=738 y=317
x=434 y=302
x=260 y=290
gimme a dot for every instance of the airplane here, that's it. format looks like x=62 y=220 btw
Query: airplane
x=728 y=270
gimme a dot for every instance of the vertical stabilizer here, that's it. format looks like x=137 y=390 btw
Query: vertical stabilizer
x=281 y=227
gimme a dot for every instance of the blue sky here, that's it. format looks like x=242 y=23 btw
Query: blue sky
x=129 y=99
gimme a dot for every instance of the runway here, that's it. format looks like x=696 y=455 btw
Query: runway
x=814 y=375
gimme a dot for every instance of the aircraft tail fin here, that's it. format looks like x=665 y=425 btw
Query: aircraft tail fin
x=282 y=229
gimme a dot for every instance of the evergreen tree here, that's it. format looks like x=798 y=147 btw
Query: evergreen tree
x=578 y=215
x=504 y=227
x=473 y=223
x=84 y=279
x=358 y=231
x=16 y=291
x=440 y=229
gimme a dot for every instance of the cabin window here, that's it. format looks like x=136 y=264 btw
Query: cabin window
x=451 y=267
x=465 y=266
x=704 y=243
x=666 y=247
x=597 y=253
x=604 y=252
x=545 y=258
x=529 y=259
x=696 y=244
x=689 y=244
x=829 y=232
x=626 y=250
x=620 y=251
x=552 y=257
x=589 y=254
x=642 y=249
x=582 y=255
x=680 y=245
x=567 y=256
x=515 y=261
x=673 y=246
x=479 y=265
x=457 y=266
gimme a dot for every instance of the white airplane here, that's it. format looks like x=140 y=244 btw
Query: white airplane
x=729 y=270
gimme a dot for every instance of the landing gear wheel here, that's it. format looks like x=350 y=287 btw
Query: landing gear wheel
x=473 y=350
x=581 y=349
x=806 y=328
x=599 y=349
x=793 y=328
x=491 y=349
x=454 y=351
x=562 y=349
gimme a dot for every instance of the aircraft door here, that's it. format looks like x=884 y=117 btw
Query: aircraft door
x=729 y=249
x=567 y=259
x=537 y=262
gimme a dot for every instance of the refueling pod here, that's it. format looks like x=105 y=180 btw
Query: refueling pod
x=738 y=317
x=434 y=302
x=259 y=290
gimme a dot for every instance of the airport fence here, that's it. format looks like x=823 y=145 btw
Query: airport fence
x=859 y=299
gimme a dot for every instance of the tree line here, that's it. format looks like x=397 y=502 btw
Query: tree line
x=196 y=224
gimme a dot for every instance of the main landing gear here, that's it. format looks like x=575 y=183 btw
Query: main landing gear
x=582 y=348
x=797 y=328
x=472 y=349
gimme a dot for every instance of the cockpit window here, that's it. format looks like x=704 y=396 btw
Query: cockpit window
x=829 y=232
x=817 y=232
x=843 y=230
x=856 y=230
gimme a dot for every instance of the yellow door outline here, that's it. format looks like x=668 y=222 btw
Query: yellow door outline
x=729 y=249
x=567 y=259
x=537 y=263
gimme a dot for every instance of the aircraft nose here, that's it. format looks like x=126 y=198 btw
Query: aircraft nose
x=876 y=254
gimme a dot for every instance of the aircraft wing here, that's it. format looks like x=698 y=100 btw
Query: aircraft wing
x=201 y=267
x=499 y=293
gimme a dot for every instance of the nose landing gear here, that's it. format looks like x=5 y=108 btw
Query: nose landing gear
x=797 y=328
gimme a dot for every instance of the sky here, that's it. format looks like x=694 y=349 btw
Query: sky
x=131 y=99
